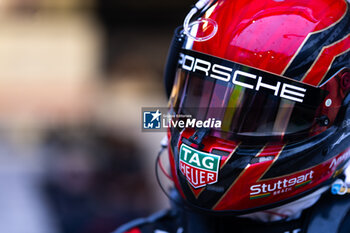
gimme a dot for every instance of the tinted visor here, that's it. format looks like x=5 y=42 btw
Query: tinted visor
x=248 y=102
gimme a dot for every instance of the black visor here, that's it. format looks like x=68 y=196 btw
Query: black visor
x=248 y=101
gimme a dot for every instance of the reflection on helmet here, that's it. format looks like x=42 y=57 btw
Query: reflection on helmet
x=276 y=73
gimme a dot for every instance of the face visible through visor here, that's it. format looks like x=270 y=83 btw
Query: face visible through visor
x=248 y=102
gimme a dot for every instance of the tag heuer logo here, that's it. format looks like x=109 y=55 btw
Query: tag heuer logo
x=198 y=167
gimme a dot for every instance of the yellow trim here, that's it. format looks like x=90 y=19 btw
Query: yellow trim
x=260 y=195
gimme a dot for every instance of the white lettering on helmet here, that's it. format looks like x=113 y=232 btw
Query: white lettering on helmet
x=202 y=65
x=261 y=84
x=218 y=70
x=284 y=184
x=239 y=78
x=290 y=92
x=245 y=74
x=184 y=63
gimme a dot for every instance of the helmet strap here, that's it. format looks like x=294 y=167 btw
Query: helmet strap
x=197 y=138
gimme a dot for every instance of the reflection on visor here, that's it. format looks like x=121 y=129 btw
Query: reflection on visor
x=249 y=102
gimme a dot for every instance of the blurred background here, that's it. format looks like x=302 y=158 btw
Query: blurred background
x=74 y=75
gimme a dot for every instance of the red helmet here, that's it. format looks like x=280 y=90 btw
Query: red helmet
x=276 y=74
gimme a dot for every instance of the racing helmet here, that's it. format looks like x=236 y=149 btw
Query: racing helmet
x=272 y=78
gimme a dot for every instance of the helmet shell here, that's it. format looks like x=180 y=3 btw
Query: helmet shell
x=308 y=41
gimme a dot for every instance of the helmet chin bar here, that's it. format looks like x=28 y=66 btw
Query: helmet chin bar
x=331 y=136
x=173 y=195
x=176 y=199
